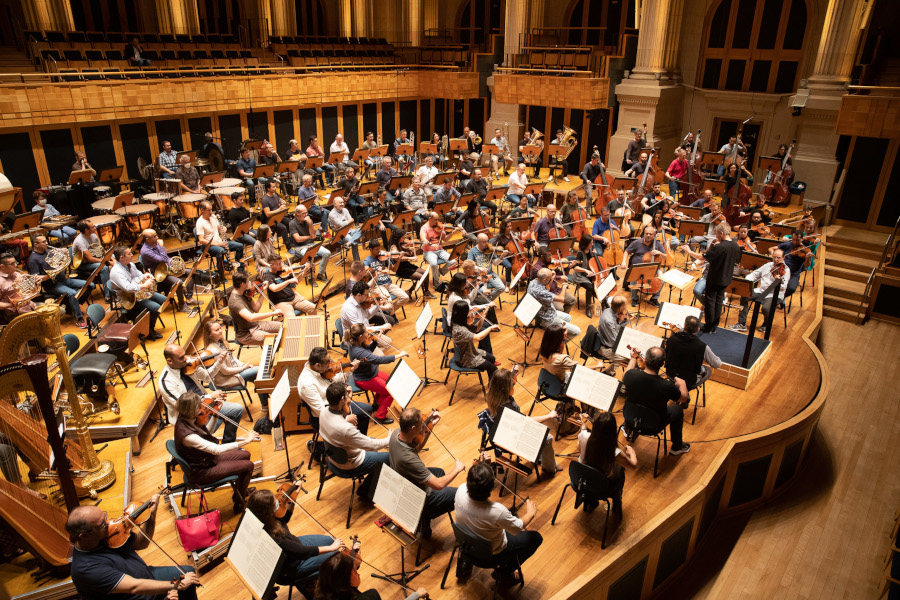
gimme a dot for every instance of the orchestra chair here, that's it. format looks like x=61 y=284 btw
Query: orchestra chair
x=333 y=453
x=589 y=485
x=245 y=397
x=356 y=390
x=315 y=445
x=339 y=330
x=93 y=366
x=306 y=587
x=460 y=370
x=549 y=388
x=645 y=422
x=115 y=335
x=593 y=336
x=478 y=552
x=445 y=333
x=187 y=483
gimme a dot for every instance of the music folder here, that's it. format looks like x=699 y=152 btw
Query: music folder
x=254 y=556
x=593 y=388
x=519 y=434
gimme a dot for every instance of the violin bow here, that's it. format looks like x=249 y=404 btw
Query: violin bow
x=483 y=458
x=158 y=547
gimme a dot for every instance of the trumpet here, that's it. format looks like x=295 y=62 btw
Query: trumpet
x=476 y=139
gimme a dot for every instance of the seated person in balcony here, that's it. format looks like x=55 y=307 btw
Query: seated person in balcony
x=134 y=52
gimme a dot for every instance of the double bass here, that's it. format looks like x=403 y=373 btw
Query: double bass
x=605 y=194
x=579 y=218
x=777 y=192
x=693 y=178
x=739 y=197
x=647 y=179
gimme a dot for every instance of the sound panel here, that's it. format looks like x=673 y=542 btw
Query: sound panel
x=557 y=116
x=457 y=119
x=351 y=127
x=258 y=125
x=135 y=144
x=307 y=126
x=750 y=480
x=628 y=586
x=329 y=127
x=425 y=120
x=582 y=151
x=17 y=159
x=230 y=132
x=440 y=118
x=673 y=552
x=598 y=133
x=711 y=507
x=890 y=208
x=537 y=118
x=284 y=129
x=476 y=117
x=98 y=146
x=59 y=152
x=789 y=463
x=197 y=128
x=370 y=118
x=859 y=187
x=389 y=128
x=409 y=118
x=169 y=129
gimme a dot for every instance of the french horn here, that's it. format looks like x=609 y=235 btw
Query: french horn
x=57 y=260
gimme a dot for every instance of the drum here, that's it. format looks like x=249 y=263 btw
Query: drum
x=138 y=217
x=103 y=207
x=227 y=182
x=101 y=190
x=188 y=205
x=161 y=199
x=224 y=195
x=108 y=228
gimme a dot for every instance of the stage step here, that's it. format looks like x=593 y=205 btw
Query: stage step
x=842 y=303
x=840 y=240
x=858 y=266
x=845 y=274
x=839 y=288
x=837 y=313
x=853 y=252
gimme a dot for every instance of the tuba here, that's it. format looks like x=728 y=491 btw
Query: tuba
x=58 y=260
x=95 y=250
x=568 y=138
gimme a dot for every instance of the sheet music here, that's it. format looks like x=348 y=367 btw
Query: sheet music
x=592 y=388
x=515 y=280
x=606 y=286
x=527 y=309
x=636 y=339
x=403 y=384
x=254 y=554
x=400 y=499
x=423 y=320
x=279 y=396
x=669 y=312
x=424 y=277
x=519 y=434
x=676 y=278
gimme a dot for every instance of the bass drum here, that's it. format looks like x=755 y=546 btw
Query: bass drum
x=216 y=160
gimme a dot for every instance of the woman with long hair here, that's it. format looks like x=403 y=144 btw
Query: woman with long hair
x=553 y=352
x=303 y=554
x=457 y=291
x=334 y=582
x=463 y=326
x=499 y=396
x=581 y=273
x=598 y=448
x=231 y=372
x=367 y=375
x=263 y=248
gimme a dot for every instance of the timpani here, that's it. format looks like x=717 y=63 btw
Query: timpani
x=104 y=206
x=227 y=182
x=108 y=228
x=138 y=217
x=188 y=205
x=224 y=195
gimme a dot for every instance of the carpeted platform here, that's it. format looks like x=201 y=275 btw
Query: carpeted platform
x=729 y=346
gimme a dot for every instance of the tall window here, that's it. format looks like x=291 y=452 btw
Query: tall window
x=599 y=23
x=754 y=46
x=310 y=17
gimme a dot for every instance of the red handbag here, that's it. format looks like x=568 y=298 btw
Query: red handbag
x=201 y=530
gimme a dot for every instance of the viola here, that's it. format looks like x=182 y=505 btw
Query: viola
x=638 y=357
x=354 y=553
x=134 y=515
x=761 y=229
x=208 y=408
x=420 y=440
x=672 y=326
x=206 y=358
x=287 y=496
x=335 y=367
x=746 y=244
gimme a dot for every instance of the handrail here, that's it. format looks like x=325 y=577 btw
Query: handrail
x=530 y=70
x=862 y=317
x=889 y=244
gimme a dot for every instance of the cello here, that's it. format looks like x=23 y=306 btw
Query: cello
x=579 y=217
x=777 y=192
x=604 y=183
x=613 y=253
x=518 y=256
x=601 y=271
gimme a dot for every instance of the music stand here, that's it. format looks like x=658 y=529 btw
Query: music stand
x=308 y=256
x=368 y=188
x=716 y=186
x=335 y=158
x=490 y=150
x=712 y=158
x=315 y=162
x=463 y=202
x=752 y=261
x=113 y=174
x=525 y=311
x=422 y=323
x=691 y=229
x=560 y=245
x=770 y=163
x=640 y=274
x=378 y=151
x=405 y=150
x=404 y=218
x=266 y=171
x=521 y=224
x=211 y=178
x=741 y=287
x=276 y=217
x=557 y=151
x=765 y=244
x=624 y=183
x=290 y=166
x=496 y=193
x=400 y=182
x=26 y=221
x=360 y=156
x=459 y=147
x=530 y=152
x=693 y=213
x=192 y=154
x=780 y=231
x=442 y=208
x=85 y=176
x=277 y=400
x=256 y=557
x=535 y=189
x=170 y=302
x=427 y=148
x=123 y=199
x=389 y=488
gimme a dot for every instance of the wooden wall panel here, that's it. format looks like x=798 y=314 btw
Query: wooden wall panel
x=48 y=104
x=566 y=92
x=870 y=116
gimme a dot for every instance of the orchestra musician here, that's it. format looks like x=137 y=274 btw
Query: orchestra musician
x=303 y=555
x=211 y=460
x=562 y=161
x=282 y=291
x=466 y=167
x=721 y=255
x=153 y=253
x=511 y=543
x=270 y=204
x=87 y=236
x=632 y=151
x=250 y=325
x=338 y=429
x=484 y=258
x=340 y=217
x=367 y=375
x=653 y=202
x=545 y=261
x=385 y=212
x=416 y=198
x=582 y=274
x=245 y=167
x=447 y=193
x=403 y=450
x=303 y=236
x=589 y=173
x=601 y=226
x=548 y=315
x=518 y=181
x=637 y=168
x=714 y=217
x=501 y=240
x=167 y=159
x=314 y=150
x=174 y=383
x=384 y=176
x=757 y=227
x=104 y=573
x=744 y=240
x=612 y=320
x=479 y=186
x=362 y=306
x=728 y=149
x=369 y=144
x=401 y=244
x=427 y=174
x=686 y=355
x=335 y=581
x=231 y=372
x=339 y=146
x=634 y=255
x=271 y=157
x=209 y=145
x=209 y=232
x=263 y=249
x=797 y=257
x=765 y=276
x=466 y=221
x=677 y=169
x=732 y=177
x=189 y=177
x=460 y=288
x=522 y=209
x=379 y=263
x=438 y=157
x=64 y=233
x=355 y=204
x=536 y=162
x=236 y=215
x=10 y=307
x=306 y=194
x=620 y=201
x=553 y=354
x=687 y=144
x=543 y=226
x=295 y=153
x=504 y=151
x=668 y=399
x=466 y=331
x=82 y=164
x=565 y=212
x=705 y=200
x=60 y=284
x=431 y=234
x=312 y=384
x=403 y=161
x=469 y=136
x=598 y=448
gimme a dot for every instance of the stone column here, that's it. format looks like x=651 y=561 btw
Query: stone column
x=346 y=18
x=819 y=98
x=658 y=39
x=52 y=15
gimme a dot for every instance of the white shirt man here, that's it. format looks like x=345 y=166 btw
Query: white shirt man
x=427 y=174
x=339 y=146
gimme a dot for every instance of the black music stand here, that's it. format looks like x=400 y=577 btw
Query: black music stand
x=308 y=256
x=170 y=302
x=560 y=245
x=407 y=150
x=421 y=324
x=529 y=154
x=267 y=171
x=442 y=208
x=740 y=287
x=691 y=212
x=211 y=178
x=521 y=224
x=639 y=274
x=113 y=174
x=691 y=229
x=400 y=182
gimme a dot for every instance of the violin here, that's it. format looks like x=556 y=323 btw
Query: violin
x=208 y=408
x=420 y=439
x=335 y=367
x=206 y=359
x=761 y=229
x=638 y=357
x=134 y=515
x=355 y=555
x=288 y=491
x=671 y=326
x=746 y=244
x=779 y=270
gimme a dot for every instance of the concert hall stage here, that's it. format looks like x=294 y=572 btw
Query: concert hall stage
x=730 y=346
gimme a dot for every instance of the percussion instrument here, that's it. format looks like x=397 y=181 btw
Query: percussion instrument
x=58 y=222
x=227 y=182
x=224 y=195
x=102 y=190
x=161 y=199
x=108 y=228
x=188 y=205
x=138 y=217
x=104 y=206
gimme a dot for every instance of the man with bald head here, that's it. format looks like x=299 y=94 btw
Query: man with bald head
x=100 y=572
x=153 y=254
x=485 y=260
x=340 y=147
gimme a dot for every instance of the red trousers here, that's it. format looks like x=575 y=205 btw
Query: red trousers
x=383 y=399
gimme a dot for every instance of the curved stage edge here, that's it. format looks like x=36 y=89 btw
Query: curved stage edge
x=748 y=472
